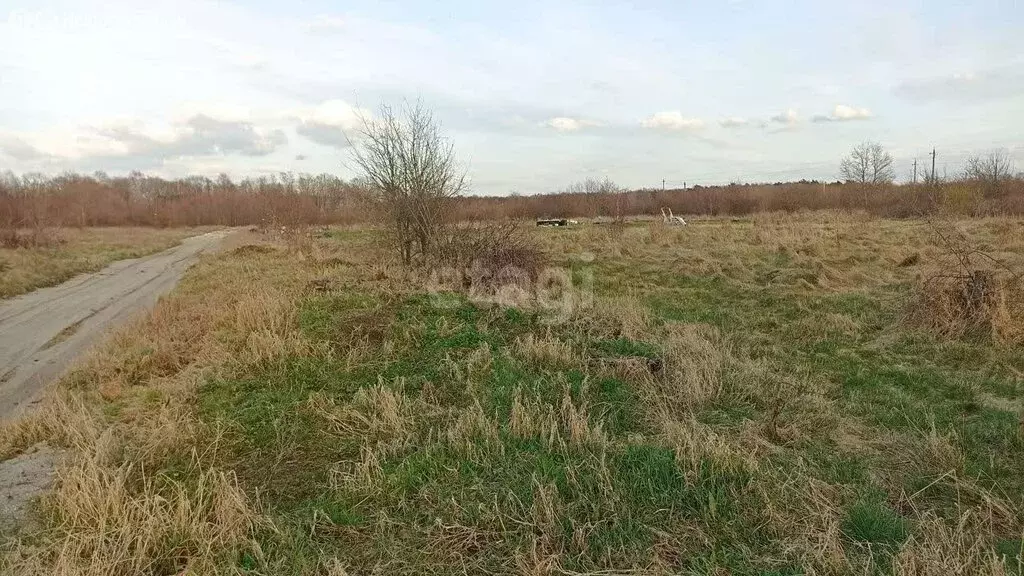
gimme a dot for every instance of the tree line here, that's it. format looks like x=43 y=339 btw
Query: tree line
x=391 y=192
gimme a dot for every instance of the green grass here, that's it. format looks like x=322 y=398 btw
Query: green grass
x=456 y=487
x=873 y=522
x=618 y=495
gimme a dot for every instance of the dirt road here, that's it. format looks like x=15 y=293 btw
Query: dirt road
x=42 y=332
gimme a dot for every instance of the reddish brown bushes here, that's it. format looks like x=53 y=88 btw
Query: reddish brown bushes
x=75 y=200
x=903 y=201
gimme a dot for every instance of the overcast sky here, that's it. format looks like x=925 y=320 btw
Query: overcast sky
x=534 y=95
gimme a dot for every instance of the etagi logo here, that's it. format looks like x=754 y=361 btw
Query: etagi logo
x=557 y=292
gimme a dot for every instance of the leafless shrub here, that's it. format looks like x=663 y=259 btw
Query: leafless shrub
x=413 y=174
x=972 y=293
x=490 y=255
x=991 y=172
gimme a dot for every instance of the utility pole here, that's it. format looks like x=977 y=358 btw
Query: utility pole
x=933 y=165
x=915 y=170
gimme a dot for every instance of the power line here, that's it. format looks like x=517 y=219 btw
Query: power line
x=823 y=170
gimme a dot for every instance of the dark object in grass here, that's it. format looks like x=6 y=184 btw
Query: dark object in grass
x=320 y=285
x=655 y=365
x=553 y=222
x=248 y=249
x=910 y=260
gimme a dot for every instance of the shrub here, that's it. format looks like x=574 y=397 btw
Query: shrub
x=413 y=175
x=975 y=295
x=491 y=255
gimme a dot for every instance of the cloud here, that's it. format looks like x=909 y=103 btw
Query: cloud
x=733 y=122
x=199 y=135
x=128 y=144
x=672 y=120
x=17 y=149
x=329 y=123
x=842 y=113
x=994 y=84
x=786 y=118
x=333 y=113
x=324 y=134
x=565 y=124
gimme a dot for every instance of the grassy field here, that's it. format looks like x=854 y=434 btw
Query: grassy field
x=732 y=397
x=72 y=251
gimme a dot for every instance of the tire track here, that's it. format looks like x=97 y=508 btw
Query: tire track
x=43 y=332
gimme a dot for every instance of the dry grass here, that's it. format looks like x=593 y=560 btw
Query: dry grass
x=982 y=302
x=970 y=291
x=941 y=549
x=111 y=521
x=68 y=252
x=111 y=514
x=737 y=397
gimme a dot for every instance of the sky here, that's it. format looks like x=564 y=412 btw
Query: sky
x=533 y=95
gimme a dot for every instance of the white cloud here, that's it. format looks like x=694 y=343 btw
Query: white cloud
x=61 y=144
x=843 y=113
x=565 y=124
x=733 y=122
x=330 y=123
x=199 y=135
x=672 y=120
x=787 y=118
x=332 y=113
x=132 y=142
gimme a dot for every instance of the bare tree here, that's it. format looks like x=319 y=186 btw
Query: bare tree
x=608 y=194
x=990 y=171
x=868 y=165
x=412 y=172
x=592 y=186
